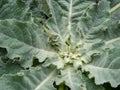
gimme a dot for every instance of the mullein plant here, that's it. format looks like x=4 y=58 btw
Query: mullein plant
x=59 y=44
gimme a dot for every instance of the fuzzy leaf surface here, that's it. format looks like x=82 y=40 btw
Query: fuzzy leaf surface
x=34 y=79
x=76 y=80
x=24 y=40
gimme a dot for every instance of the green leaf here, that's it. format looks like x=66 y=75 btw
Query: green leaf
x=28 y=41
x=76 y=80
x=33 y=79
x=17 y=9
x=106 y=67
x=102 y=37
x=65 y=16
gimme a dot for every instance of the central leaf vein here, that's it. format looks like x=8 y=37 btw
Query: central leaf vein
x=69 y=16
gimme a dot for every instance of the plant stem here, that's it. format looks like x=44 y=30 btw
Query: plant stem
x=61 y=87
x=115 y=8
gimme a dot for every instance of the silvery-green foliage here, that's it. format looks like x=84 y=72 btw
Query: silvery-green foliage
x=59 y=44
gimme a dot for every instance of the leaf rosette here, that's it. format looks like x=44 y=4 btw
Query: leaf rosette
x=79 y=37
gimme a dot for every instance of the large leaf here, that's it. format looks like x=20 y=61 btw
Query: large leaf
x=105 y=66
x=76 y=80
x=25 y=41
x=17 y=9
x=65 y=16
x=33 y=79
